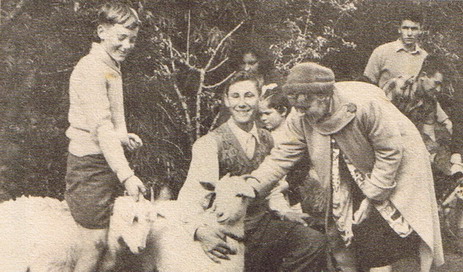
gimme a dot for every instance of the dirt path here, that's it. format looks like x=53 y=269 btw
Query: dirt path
x=453 y=263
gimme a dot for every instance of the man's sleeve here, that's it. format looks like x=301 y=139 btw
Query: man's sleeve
x=373 y=68
x=193 y=196
x=383 y=132
x=281 y=159
x=90 y=86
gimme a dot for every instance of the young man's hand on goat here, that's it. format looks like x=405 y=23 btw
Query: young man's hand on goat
x=213 y=242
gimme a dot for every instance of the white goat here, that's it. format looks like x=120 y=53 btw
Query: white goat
x=170 y=248
x=39 y=234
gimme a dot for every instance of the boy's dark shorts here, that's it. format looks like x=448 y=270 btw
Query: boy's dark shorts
x=91 y=187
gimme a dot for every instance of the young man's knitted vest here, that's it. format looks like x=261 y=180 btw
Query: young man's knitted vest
x=232 y=158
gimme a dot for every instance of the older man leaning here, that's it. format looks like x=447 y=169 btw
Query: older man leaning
x=372 y=163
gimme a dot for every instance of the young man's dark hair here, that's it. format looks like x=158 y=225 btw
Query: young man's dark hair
x=242 y=76
x=433 y=64
x=412 y=14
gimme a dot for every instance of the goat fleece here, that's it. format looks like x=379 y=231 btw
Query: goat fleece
x=39 y=234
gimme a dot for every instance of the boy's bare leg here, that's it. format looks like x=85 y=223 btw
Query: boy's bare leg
x=425 y=257
x=92 y=247
x=345 y=260
x=387 y=268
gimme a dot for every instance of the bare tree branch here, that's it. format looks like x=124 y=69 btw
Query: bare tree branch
x=216 y=49
x=188 y=39
x=18 y=9
x=167 y=114
x=219 y=83
x=218 y=65
x=202 y=75
x=214 y=122
x=181 y=97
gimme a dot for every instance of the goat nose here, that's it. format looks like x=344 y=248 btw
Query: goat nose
x=141 y=248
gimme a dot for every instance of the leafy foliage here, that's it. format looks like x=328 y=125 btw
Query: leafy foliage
x=174 y=80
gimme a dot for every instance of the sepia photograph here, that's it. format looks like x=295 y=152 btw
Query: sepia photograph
x=231 y=135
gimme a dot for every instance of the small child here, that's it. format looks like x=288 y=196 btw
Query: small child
x=97 y=169
x=274 y=108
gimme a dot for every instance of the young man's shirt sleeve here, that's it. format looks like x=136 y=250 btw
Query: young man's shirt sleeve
x=91 y=88
x=373 y=68
x=193 y=197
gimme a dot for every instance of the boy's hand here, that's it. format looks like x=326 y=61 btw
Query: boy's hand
x=133 y=142
x=134 y=187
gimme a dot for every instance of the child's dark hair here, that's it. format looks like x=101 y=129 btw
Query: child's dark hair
x=242 y=76
x=277 y=100
x=113 y=13
x=262 y=55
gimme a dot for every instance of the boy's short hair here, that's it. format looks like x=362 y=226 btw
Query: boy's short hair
x=277 y=100
x=413 y=14
x=433 y=64
x=242 y=76
x=113 y=13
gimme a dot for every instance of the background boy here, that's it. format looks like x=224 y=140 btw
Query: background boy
x=402 y=57
x=97 y=166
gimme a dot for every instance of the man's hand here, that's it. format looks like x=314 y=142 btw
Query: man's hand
x=297 y=217
x=213 y=243
x=134 y=186
x=363 y=211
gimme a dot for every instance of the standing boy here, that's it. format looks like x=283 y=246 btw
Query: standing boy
x=238 y=147
x=97 y=167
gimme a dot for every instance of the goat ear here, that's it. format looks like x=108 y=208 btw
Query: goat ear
x=207 y=185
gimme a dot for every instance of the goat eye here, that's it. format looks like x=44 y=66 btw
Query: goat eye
x=135 y=219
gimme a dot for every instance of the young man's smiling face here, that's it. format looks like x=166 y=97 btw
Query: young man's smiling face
x=117 y=40
x=242 y=101
x=409 y=32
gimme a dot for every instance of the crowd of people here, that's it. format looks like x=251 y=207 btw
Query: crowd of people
x=341 y=171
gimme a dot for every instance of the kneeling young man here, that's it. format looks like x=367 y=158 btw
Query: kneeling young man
x=237 y=148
